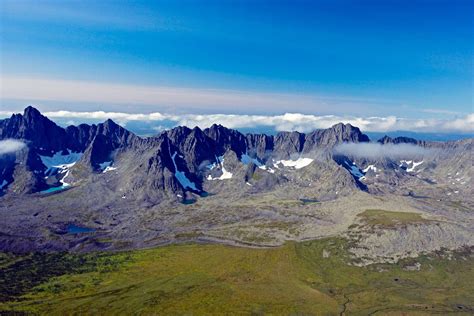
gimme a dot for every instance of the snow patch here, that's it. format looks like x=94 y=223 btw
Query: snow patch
x=267 y=169
x=60 y=162
x=107 y=169
x=410 y=165
x=370 y=167
x=181 y=176
x=225 y=174
x=213 y=165
x=64 y=183
x=106 y=166
x=297 y=164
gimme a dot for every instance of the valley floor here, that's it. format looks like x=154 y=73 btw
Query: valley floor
x=311 y=278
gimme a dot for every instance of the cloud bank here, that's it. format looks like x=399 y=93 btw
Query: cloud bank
x=377 y=151
x=285 y=122
x=10 y=146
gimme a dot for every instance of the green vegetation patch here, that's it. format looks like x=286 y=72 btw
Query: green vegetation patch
x=298 y=278
x=19 y=274
x=388 y=219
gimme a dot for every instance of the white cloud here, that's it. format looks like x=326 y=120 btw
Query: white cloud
x=10 y=146
x=306 y=123
x=101 y=115
x=377 y=151
x=284 y=122
x=463 y=124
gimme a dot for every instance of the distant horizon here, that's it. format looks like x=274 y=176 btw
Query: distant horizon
x=147 y=125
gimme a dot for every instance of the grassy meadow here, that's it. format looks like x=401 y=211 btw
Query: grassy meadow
x=390 y=219
x=308 y=278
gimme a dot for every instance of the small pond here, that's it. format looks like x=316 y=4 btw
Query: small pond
x=308 y=201
x=74 y=229
x=187 y=202
x=54 y=189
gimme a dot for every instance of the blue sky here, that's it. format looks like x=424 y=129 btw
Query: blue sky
x=409 y=59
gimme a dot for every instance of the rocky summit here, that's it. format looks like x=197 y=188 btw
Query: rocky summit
x=219 y=185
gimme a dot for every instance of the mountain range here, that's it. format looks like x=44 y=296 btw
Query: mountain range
x=217 y=184
x=102 y=144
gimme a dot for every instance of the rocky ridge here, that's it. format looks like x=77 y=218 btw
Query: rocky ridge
x=217 y=184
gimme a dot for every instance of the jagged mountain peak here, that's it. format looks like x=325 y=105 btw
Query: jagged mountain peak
x=217 y=127
x=178 y=131
x=342 y=125
x=110 y=124
x=397 y=140
x=334 y=135
x=32 y=112
x=349 y=130
x=385 y=140
x=110 y=128
x=38 y=130
x=33 y=116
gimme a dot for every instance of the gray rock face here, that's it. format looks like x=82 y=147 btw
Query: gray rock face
x=330 y=137
x=226 y=139
x=260 y=144
x=398 y=140
x=288 y=143
x=104 y=139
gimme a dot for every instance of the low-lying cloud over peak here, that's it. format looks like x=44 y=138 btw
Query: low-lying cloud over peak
x=8 y=146
x=379 y=151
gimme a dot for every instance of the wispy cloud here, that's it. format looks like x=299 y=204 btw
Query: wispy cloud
x=285 y=122
x=180 y=98
x=378 y=151
x=89 y=14
x=10 y=145
x=442 y=111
